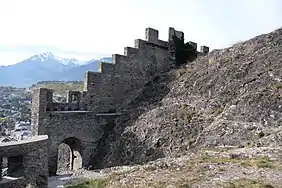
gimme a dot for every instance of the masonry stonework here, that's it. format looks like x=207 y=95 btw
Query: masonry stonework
x=27 y=163
x=81 y=122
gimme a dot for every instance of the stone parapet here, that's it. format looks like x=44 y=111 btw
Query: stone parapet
x=30 y=157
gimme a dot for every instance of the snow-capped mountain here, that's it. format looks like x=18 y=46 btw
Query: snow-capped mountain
x=50 y=56
x=46 y=67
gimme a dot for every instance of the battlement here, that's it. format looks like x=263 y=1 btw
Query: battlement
x=110 y=86
x=137 y=64
x=151 y=35
x=87 y=114
x=127 y=72
x=130 y=52
x=117 y=58
x=204 y=50
x=107 y=68
x=194 y=44
x=92 y=79
x=46 y=104
x=174 y=33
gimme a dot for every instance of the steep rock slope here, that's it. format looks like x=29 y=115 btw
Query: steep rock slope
x=232 y=96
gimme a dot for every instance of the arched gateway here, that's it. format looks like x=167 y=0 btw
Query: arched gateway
x=81 y=131
x=69 y=155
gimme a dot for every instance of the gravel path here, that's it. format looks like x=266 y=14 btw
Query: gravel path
x=59 y=181
x=67 y=178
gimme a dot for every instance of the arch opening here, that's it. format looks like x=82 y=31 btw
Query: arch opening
x=69 y=155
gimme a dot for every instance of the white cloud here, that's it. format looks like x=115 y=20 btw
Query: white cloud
x=106 y=26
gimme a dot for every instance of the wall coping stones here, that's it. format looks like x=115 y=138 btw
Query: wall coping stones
x=27 y=141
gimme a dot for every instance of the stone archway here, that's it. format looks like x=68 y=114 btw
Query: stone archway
x=69 y=155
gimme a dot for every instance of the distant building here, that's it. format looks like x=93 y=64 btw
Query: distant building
x=7 y=139
x=23 y=126
x=21 y=132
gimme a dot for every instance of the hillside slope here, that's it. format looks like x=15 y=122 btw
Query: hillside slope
x=232 y=96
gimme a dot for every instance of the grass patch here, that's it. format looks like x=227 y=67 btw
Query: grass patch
x=219 y=149
x=179 y=184
x=123 y=172
x=3 y=119
x=247 y=183
x=276 y=86
x=187 y=114
x=260 y=162
x=98 y=183
x=176 y=73
x=218 y=111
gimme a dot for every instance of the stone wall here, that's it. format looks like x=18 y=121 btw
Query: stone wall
x=109 y=90
x=120 y=81
x=117 y=83
x=30 y=158
x=83 y=127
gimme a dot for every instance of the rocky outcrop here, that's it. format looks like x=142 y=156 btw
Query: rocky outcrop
x=232 y=97
x=218 y=167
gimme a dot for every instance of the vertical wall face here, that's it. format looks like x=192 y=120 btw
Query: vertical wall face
x=152 y=35
x=204 y=50
x=27 y=159
x=65 y=127
x=42 y=100
x=119 y=82
x=172 y=35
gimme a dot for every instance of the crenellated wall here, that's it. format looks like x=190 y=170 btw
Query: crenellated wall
x=115 y=84
x=86 y=114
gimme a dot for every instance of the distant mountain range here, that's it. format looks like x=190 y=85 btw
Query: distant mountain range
x=46 y=67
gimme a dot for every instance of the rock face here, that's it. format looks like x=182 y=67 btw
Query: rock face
x=232 y=96
x=217 y=168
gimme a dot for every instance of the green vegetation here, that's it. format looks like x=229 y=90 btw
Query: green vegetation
x=247 y=183
x=180 y=71
x=187 y=115
x=98 y=183
x=3 y=119
x=260 y=162
x=166 y=184
x=218 y=111
x=219 y=149
x=276 y=86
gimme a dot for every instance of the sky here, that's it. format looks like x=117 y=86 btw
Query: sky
x=88 y=29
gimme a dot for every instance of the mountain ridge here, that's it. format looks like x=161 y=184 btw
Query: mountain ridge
x=46 y=67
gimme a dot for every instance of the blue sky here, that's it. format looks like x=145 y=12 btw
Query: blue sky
x=87 y=29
